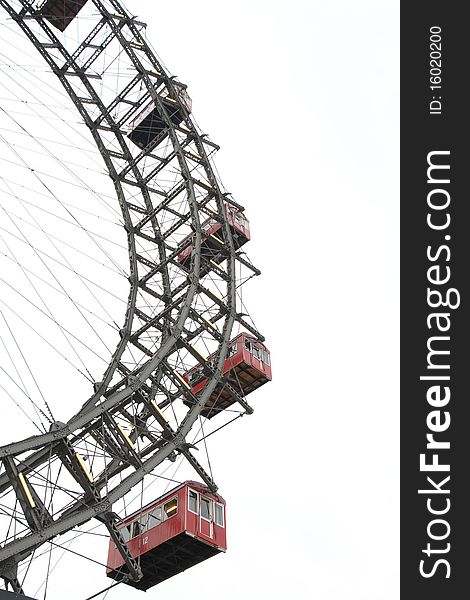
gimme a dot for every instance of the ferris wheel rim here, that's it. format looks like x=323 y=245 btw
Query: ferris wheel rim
x=99 y=404
x=76 y=421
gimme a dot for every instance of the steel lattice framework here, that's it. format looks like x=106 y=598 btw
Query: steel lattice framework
x=169 y=306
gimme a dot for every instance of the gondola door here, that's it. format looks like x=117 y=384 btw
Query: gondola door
x=206 y=526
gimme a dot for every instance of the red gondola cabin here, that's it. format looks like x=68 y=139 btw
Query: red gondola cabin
x=212 y=236
x=60 y=13
x=149 y=124
x=179 y=530
x=247 y=367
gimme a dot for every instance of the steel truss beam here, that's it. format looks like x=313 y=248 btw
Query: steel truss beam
x=144 y=212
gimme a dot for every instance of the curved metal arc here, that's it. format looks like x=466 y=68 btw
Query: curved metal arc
x=26 y=544
x=70 y=62
x=195 y=410
x=85 y=415
x=78 y=421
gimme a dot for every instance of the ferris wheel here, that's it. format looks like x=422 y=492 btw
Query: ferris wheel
x=124 y=340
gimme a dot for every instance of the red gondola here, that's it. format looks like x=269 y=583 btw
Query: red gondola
x=179 y=530
x=212 y=237
x=247 y=367
x=149 y=123
x=60 y=13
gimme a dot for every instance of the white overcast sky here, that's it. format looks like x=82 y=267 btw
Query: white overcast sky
x=302 y=96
